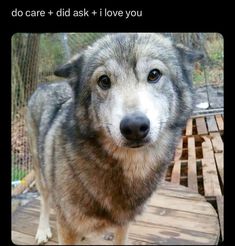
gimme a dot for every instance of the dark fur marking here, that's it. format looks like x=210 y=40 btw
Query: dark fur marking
x=42 y=136
x=52 y=169
x=64 y=71
x=95 y=183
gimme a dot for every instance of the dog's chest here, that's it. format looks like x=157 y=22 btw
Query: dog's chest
x=121 y=197
x=114 y=187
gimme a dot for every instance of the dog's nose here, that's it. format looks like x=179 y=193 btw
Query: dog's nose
x=135 y=126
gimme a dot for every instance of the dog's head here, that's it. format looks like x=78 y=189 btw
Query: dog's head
x=132 y=87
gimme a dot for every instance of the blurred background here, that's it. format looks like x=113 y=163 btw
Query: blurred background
x=35 y=57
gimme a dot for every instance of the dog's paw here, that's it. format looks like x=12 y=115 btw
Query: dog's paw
x=43 y=235
x=109 y=236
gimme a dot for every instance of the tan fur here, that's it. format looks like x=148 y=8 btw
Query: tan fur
x=98 y=177
x=44 y=231
x=70 y=236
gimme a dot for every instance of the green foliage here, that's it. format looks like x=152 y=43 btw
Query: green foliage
x=214 y=47
x=51 y=52
x=17 y=173
x=198 y=77
x=215 y=50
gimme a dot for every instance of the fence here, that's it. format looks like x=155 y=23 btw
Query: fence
x=35 y=56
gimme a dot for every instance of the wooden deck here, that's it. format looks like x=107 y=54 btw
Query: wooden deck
x=181 y=211
x=174 y=215
x=199 y=163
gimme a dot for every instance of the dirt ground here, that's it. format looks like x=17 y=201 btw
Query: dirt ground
x=216 y=97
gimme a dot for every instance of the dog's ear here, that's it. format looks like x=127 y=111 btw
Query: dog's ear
x=64 y=71
x=69 y=69
x=187 y=59
x=188 y=56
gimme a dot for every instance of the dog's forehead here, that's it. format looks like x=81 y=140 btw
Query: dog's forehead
x=129 y=46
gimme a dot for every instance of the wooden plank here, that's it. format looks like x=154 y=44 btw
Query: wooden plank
x=219 y=158
x=201 y=126
x=210 y=177
x=179 y=150
x=198 y=140
x=19 y=238
x=175 y=175
x=211 y=124
x=163 y=219
x=218 y=147
x=180 y=189
x=186 y=205
x=167 y=235
x=220 y=122
x=182 y=194
x=167 y=219
x=220 y=208
x=207 y=149
x=192 y=165
x=25 y=182
x=177 y=219
x=189 y=127
x=217 y=142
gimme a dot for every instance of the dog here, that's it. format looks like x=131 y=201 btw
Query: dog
x=102 y=140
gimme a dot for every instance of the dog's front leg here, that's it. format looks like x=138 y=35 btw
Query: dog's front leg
x=66 y=236
x=121 y=235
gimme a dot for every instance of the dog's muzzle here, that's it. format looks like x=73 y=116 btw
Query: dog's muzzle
x=135 y=127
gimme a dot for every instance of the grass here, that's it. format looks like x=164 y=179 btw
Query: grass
x=215 y=50
x=215 y=65
x=198 y=77
x=17 y=173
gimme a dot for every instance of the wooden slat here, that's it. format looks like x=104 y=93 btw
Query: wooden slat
x=211 y=124
x=167 y=235
x=24 y=184
x=179 y=150
x=210 y=177
x=217 y=142
x=177 y=217
x=220 y=122
x=218 y=147
x=219 y=158
x=220 y=208
x=189 y=127
x=170 y=189
x=175 y=176
x=192 y=166
x=185 y=205
x=201 y=126
x=25 y=239
x=168 y=186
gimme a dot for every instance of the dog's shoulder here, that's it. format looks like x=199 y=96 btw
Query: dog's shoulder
x=58 y=92
x=48 y=99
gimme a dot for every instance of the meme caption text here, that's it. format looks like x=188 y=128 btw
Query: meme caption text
x=77 y=13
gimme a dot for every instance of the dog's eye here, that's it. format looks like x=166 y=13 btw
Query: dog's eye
x=154 y=76
x=104 y=82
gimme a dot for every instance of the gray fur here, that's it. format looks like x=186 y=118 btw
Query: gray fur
x=93 y=175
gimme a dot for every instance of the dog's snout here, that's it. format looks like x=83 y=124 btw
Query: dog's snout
x=135 y=126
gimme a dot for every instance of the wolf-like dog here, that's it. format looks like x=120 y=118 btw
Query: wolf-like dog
x=102 y=140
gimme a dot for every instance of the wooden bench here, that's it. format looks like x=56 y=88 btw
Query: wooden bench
x=198 y=162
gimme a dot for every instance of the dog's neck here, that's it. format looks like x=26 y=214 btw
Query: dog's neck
x=136 y=163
